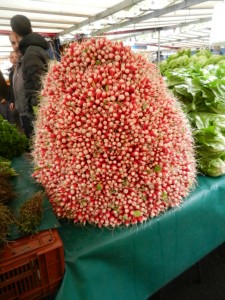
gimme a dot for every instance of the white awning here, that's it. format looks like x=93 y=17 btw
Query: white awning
x=182 y=24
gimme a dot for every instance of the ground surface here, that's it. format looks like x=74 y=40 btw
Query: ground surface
x=203 y=281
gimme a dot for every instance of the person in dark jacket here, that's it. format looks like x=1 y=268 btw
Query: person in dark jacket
x=33 y=63
x=3 y=96
x=13 y=115
x=13 y=57
x=18 y=101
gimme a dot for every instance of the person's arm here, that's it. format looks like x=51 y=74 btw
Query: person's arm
x=10 y=90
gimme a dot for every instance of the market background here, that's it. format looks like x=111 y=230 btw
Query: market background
x=150 y=27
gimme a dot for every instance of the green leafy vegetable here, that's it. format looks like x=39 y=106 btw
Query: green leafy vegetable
x=12 y=142
x=212 y=167
x=6 y=171
x=200 y=86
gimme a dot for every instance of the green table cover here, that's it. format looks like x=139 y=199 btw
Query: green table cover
x=25 y=186
x=133 y=263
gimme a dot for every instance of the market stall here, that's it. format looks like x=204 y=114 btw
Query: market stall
x=136 y=261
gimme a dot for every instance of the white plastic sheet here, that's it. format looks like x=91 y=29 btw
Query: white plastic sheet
x=217 y=37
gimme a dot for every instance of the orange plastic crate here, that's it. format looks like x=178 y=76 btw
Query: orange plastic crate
x=31 y=267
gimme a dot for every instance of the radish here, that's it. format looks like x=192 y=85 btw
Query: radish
x=112 y=146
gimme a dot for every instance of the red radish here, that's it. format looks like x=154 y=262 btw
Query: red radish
x=111 y=146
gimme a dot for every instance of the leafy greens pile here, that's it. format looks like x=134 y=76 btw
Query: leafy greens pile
x=12 y=142
x=198 y=81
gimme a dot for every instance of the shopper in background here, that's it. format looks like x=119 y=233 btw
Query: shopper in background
x=32 y=66
x=13 y=58
x=13 y=113
x=3 y=96
x=14 y=42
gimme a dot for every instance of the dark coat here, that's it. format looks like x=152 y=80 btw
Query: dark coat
x=10 y=91
x=35 y=63
x=3 y=87
x=3 y=96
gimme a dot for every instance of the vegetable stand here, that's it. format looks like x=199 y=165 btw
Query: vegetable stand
x=134 y=262
x=31 y=265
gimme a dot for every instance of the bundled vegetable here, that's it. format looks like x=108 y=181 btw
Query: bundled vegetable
x=12 y=142
x=6 y=171
x=31 y=213
x=6 y=190
x=111 y=145
x=6 y=220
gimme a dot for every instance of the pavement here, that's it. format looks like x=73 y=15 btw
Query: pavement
x=203 y=281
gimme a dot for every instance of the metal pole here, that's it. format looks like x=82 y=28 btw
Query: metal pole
x=158 y=58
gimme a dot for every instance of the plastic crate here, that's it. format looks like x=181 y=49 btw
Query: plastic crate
x=31 y=267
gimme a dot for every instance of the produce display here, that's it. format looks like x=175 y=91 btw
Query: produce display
x=200 y=86
x=6 y=219
x=6 y=189
x=111 y=145
x=6 y=171
x=30 y=213
x=184 y=58
x=6 y=194
x=12 y=142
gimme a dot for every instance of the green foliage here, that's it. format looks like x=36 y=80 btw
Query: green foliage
x=183 y=58
x=204 y=89
x=212 y=167
x=12 y=142
x=203 y=52
x=209 y=133
x=198 y=61
x=176 y=60
x=214 y=59
x=200 y=86
x=6 y=171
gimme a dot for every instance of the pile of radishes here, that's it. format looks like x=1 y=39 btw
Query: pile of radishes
x=112 y=145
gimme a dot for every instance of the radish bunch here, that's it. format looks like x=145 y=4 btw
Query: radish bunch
x=111 y=145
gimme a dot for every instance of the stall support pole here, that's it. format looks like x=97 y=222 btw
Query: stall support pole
x=158 y=56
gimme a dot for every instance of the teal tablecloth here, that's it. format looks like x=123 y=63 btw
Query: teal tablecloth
x=133 y=263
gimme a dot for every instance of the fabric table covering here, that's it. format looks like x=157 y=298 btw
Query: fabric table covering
x=134 y=262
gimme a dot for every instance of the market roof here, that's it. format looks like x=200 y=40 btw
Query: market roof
x=170 y=23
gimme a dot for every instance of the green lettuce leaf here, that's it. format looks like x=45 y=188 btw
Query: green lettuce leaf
x=212 y=167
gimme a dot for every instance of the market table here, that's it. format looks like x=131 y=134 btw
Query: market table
x=133 y=263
